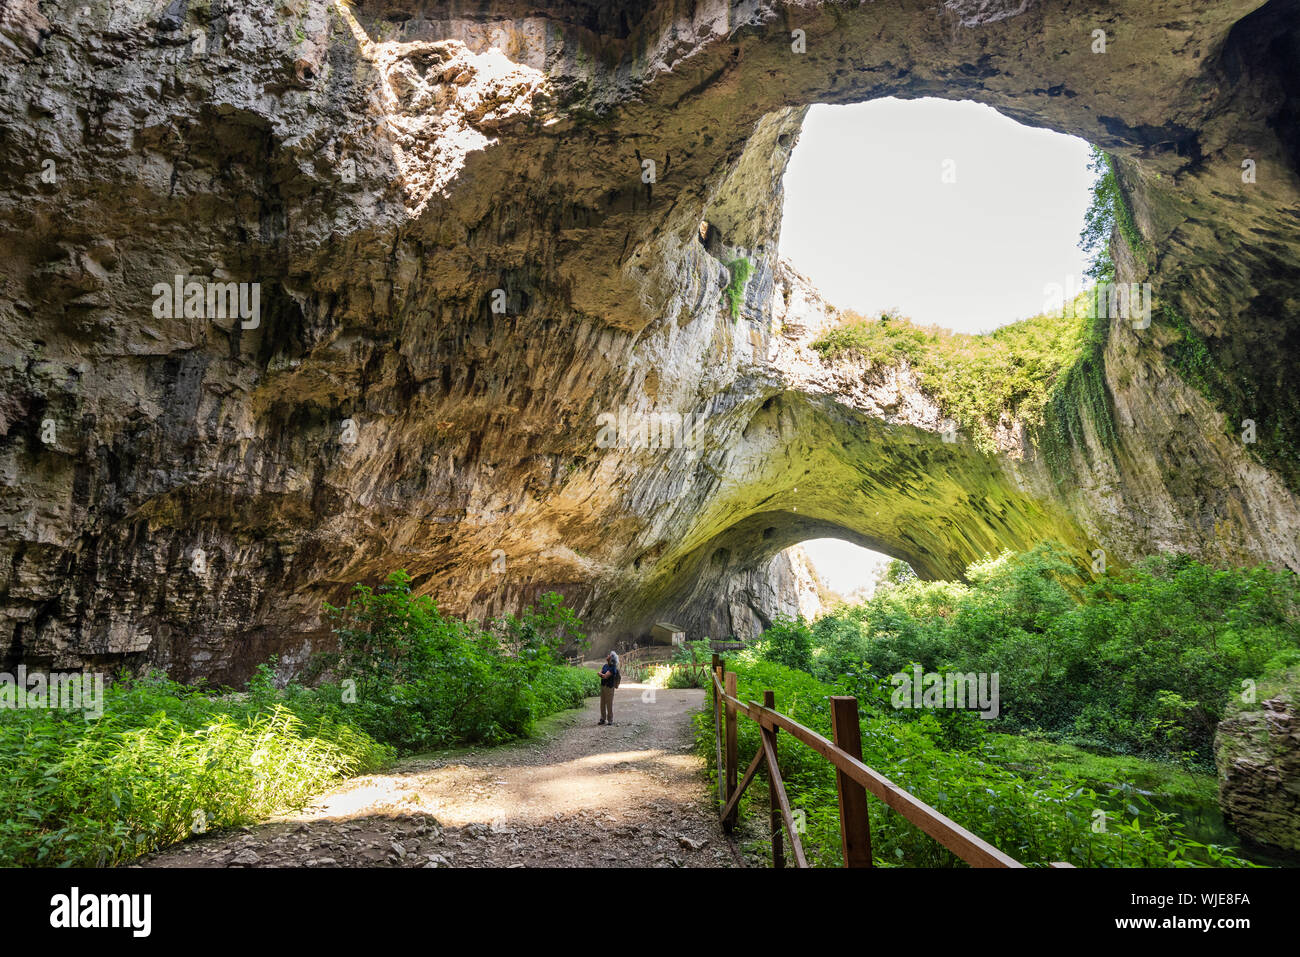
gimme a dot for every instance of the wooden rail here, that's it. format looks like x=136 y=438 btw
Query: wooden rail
x=853 y=780
x=637 y=670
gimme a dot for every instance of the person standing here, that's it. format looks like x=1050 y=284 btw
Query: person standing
x=608 y=682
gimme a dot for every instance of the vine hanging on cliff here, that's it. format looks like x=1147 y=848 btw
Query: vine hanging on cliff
x=734 y=292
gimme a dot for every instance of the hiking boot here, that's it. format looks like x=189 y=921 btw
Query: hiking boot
x=600 y=722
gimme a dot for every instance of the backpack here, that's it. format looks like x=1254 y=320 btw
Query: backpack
x=618 y=677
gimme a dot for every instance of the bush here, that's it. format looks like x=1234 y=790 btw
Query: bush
x=163 y=761
x=1037 y=818
x=165 y=758
x=422 y=681
x=789 y=642
x=1141 y=660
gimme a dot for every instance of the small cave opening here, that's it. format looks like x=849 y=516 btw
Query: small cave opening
x=843 y=571
x=710 y=238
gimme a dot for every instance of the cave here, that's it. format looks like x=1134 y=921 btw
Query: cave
x=477 y=230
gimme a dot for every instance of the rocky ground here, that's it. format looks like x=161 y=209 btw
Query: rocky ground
x=579 y=795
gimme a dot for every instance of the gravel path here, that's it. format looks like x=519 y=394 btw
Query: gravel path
x=628 y=795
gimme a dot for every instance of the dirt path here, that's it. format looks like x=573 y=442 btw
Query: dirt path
x=579 y=795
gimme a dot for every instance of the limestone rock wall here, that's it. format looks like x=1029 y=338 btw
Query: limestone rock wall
x=1257 y=752
x=466 y=268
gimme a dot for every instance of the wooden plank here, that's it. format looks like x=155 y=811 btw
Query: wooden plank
x=744 y=782
x=780 y=802
x=717 y=732
x=970 y=848
x=729 y=823
x=855 y=823
x=774 y=790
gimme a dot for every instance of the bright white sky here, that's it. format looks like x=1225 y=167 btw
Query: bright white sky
x=870 y=220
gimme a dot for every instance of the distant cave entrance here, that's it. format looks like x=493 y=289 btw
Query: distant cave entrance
x=842 y=571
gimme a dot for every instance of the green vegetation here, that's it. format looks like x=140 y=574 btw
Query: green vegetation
x=165 y=760
x=1077 y=394
x=787 y=642
x=1033 y=754
x=1038 y=818
x=1046 y=371
x=734 y=292
x=1139 y=661
x=688 y=667
x=1112 y=686
x=424 y=681
x=1017 y=370
x=1107 y=211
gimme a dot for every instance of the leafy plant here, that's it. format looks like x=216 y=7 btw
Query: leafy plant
x=163 y=761
x=788 y=641
x=1034 y=815
x=425 y=681
x=544 y=632
x=1141 y=660
x=734 y=292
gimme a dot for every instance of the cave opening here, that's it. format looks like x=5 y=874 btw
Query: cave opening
x=943 y=211
x=844 y=571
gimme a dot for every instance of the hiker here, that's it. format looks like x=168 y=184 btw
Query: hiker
x=609 y=680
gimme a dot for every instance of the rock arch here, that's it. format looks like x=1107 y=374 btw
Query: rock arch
x=382 y=171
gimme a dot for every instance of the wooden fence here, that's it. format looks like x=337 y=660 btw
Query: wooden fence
x=639 y=670
x=853 y=780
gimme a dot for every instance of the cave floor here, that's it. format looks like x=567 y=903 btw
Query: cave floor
x=579 y=795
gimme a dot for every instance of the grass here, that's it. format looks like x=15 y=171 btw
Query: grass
x=164 y=761
x=1031 y=754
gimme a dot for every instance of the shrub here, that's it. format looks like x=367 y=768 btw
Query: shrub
x=162 y=761
x=788 y=642
x=423 y=681
x=1035 y=817
x=1141 y=660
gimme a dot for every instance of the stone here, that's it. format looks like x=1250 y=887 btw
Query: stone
x=1257 y=755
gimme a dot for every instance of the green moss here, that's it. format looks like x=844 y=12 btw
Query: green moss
x=1044 y=370
x=1277 y=439
x=1191 y=355
x=734 y=292
x=1077 y=395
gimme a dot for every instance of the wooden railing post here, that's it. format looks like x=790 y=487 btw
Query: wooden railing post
x=717 y=732
x=730 y=709
x=855 y=823
x=774 y=798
